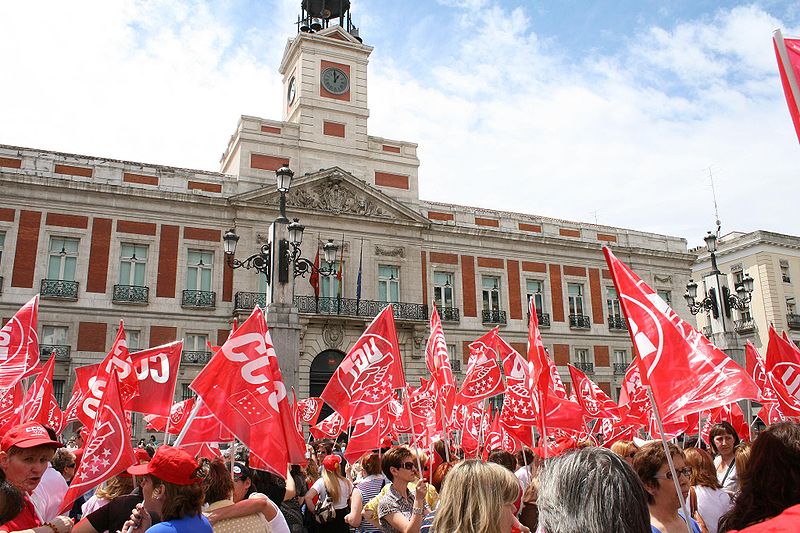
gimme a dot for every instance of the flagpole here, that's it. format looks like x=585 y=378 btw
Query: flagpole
x=480 y=428
x=198 y=402
x=670 y=462
x=413 y=433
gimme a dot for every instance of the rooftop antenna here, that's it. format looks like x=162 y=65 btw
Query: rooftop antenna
x=716 y=207
x=595 y=215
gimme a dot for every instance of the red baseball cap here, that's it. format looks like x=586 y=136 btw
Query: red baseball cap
x=28 y=435
x=141 y=456
x=169 y=464
x=331 y=462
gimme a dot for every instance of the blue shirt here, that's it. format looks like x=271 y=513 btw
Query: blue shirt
x=187 y=524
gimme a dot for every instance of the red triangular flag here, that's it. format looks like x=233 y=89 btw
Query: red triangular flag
x=483 y=378
x=40 y=404
x=766 y=384
x=368 y=432
x=788 y=53
x=634 y=405
x=107 y=450
x=313 y=279
x=19 y=345
x=684 y=370
x=783 y=365
x=307 y=411
x=438 y=362
x=366 y=378
x=156 y=370
x=330 y=428
x=594 y=401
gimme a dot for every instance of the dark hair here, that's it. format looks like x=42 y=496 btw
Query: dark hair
x=503 y=458
x=648 y=461
x=394 y=458
x=51 y=433
x=771 y=482
x=591 y=489
x=12 y=499
x=525 y=456
x=218 y=484
x=181 y=500
x=720 y=428
x=371 y=463
x=62 y=458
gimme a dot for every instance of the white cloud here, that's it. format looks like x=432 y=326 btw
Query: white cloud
x=504 y=119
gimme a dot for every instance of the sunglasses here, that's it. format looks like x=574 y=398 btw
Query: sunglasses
x=409 y=465
x=70 y=465
x=685 y=472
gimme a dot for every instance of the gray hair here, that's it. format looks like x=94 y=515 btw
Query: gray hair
x=591 y=490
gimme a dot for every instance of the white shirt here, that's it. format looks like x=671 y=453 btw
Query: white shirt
x=731 y=481
x=712 y=504
x=48 y=495
x=524 y=477
x=278 y=523
x=344 y=492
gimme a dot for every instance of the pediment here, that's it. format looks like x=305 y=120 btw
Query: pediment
x=334 y=191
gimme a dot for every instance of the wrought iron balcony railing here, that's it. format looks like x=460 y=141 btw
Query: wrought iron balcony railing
x=617 y=323
x=192 y=357
x=620 y=368
x=60 y=351
x=793 y=320
x=580 y=322
x=59 y=288
x=542 y=318
x=246 y=301
x=584 y=367
x=361 y=308
x=449 y=314
x=707 y=332
x=744 y=326
x=493 y=316
x=130 y=294
x=199 y=299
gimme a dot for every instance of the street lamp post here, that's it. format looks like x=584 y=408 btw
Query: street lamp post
x=275 y=260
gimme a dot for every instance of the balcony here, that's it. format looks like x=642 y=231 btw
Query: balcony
x=59 y=289
x=743 y=327
x=587 y=368
x=620 y=368
x=493 y=316
x=580 y=322
x=358 y=308
x=60 y=351
x=617 y=323
x=247 y=301
x=786 y=278
x=130 y=294
x=199 y=299
x=542 y=318
x=449 y=314
x=793 y=320
x=707 y=332
x=195 y=357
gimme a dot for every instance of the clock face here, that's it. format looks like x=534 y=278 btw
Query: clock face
x=290 y=93
x=335 y=80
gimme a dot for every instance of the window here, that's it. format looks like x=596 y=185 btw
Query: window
x=329 y=285
x=54 y=335
x=186 y=392
x=785 y=272
x=621 y=357
x=612 y=303
x=196 y=342
x=582 y=356
x=455 y=361
x=575 y=293
x=443 y=289
x=535 y=289
x=58 y=391
x=388 y=283
x=133 y=337
x=491 y=293
x=791 y=307
x=2 y=243
x=666 y=296
x=63 y=259
x=132 y=264
x=198 y=270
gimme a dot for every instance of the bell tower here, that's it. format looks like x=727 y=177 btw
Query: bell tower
x=324 y=72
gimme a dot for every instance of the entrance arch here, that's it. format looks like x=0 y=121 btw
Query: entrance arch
x=322 y=368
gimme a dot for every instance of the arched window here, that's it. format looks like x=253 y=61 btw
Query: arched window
x=322 y=368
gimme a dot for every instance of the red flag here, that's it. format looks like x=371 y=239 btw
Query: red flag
x=251 y=402
x=156 y=370
x=766 y=384
x=307 y=411
x=119 y=360
x=19 y=345
x=86 y=395
x=783 y=365
x=520 y=403
x=684 y=370
x=732 y=414
x=330 y=428
x=438 y=362
x=40 y=404
x=634 y=405
x=313 y=279
x=788 y=53
x=203 y=450
x=770 y=413
x=536 y=351
x=368 y=432
x=204 y=427
x=366 y=378
x=473 y=419
x=178 y=415
x=107 y=451
x=595 y=402
x=419 y=404
x=483 y=378
x=612 y=431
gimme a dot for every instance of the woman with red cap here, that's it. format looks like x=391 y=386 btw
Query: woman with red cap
x=171 y=488
x=25 y=453
x=332 y=484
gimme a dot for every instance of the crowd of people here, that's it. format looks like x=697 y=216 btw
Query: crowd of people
x=631 y=487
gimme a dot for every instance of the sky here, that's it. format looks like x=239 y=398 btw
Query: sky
x=610 y=112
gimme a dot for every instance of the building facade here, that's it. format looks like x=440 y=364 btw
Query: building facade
x=773 y=261
x=103 y=240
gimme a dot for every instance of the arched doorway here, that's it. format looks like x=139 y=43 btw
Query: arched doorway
x=322 y=368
